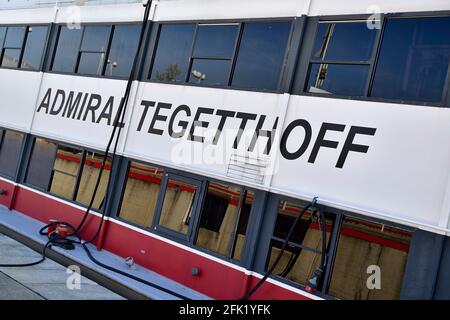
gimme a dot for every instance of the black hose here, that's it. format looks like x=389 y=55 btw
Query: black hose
x=280 y=254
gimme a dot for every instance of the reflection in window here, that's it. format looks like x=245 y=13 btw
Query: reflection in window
x=10 y=149
x=93 y=50
x=90 y=172
x=65 y=171
x=141 y=193
x=2 y=35
x=41 y=162
x=34 y=48
x=223 y=220
x=213 y=53
x=303 y=253
x=210 y=72
x=361 y=244
x=177 y=205
x=67 y=49
x=340 y=58
x=123 y=49
x=172 y=57
x=349 y=80
x=12 y=46
x=414 y=59
x=261 y=55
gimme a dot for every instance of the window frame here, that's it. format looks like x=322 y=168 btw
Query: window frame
x=84 y=150
x=271 y=212
x=288 y=57
x=21 y=153
x=302 y=70
x=229 y=256
x=111 y=25
x=252 y=231
x=24 y=42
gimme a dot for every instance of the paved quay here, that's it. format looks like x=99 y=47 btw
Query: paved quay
x=45 y=281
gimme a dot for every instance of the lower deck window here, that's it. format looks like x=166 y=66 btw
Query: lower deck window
x=10 y=150
x=224 y=219
x=177 y=205
x=363 y=247
x=141 y=193
x=68 y=172
x=303 y=252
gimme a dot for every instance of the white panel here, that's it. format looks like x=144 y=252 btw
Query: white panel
x=104 y=13
x=209 y=159
x=228 y=9
x=81 y=129
x=23 y=16
x=333 y=7
x=18 y=92
x=403 y=175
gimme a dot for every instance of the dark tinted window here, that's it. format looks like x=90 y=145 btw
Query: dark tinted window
x=67 y=50
x=338 y=79
x=11 y=58
x=95 y=38
x=13 y=46
x=414 y=58
x=340 y=58
x=34 y=48
x=41 y=163
x=10 y=148
x=14 y=37
x=2 y=36
x=123 y=49
x=215 y=41
x=351 y=41
x=261 y=55
x=91 y=63
x=93 y=50
x=173 y=52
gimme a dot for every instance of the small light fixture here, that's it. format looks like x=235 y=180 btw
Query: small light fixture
x=2 y=192
x=195 y=271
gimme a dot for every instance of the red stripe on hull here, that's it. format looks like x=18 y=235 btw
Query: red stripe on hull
x=216 y=280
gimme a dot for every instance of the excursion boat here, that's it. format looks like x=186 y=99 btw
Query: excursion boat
x=291 y=149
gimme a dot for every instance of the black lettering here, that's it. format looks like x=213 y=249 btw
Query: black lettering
x=183 y=124
x=245 y=117
x=270 y=135
x=224 y=115
x=71 y=106
x=158 y=117
x=107 y=111
x=146 y=105
x=62 y=94
x=350 y=146
x=283 y=143
x=45 y=103
x=92 y=107
x=86 y=95
x=321 y=142
x=196 y=123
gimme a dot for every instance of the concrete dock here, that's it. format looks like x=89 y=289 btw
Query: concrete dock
x=45 y=281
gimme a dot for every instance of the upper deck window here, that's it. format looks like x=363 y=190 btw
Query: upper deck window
x=246 y=55
x=414 y=59
x=22 y=46
x=98 y=50
x=340 y=59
